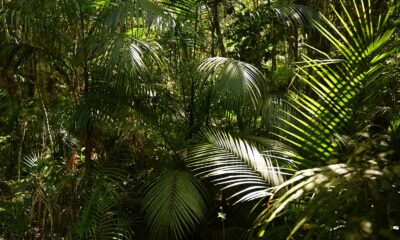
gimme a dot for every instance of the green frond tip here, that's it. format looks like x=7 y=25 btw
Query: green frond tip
x=174 y=205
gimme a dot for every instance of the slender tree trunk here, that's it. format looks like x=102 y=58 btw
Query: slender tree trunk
x=22 y=127
x=296 y=44
x=195 y=31
x=88 y=134
x=88 y=150
x=88 y=131
x=273 y=52
x=213 y=37
x=191 y=122
x=46 y=121
x=240 y=121
x=217 y=29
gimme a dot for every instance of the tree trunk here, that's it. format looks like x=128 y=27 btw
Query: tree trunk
x=217 y=28
x=22 y=127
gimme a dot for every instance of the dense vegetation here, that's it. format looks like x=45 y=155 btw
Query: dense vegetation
x=186 y=119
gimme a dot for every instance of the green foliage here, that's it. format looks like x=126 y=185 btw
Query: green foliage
x=340 y=88
x=357 y=168
x=174 y=205
x=234 y=80
x=233 y=163
x=260 y=35
x=356 y=197
x=12 y=211
x=99 y=100
x=100 y=219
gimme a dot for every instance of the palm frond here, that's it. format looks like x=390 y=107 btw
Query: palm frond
x=294 y=14
x=328 y=193
x=141 y=13
x=31 y=161
x=12 y=218
x=234 y=80
x=16 y=54
x=181 y=8
x=233 y=162
x=109 y=98
x=340 y=85
x=174 y=205
x=99 y=219
x=140 y=49
x=109 y=175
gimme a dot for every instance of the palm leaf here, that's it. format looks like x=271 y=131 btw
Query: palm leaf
x=12 y=218
x=174 y=205
x=293 y=14
x=234 y=80
x=99 y=219
x=181 y=8
x=339 y=86
x=102 y=215
x=233 y=162
x=108 y=98
x=327 y=193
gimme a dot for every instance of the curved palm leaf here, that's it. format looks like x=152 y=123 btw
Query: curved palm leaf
x=234 y=79
x=294 y=14
x=174 y=205
x=142 y=13
x=233 y=162
x=12 y=218
x=181 y=7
